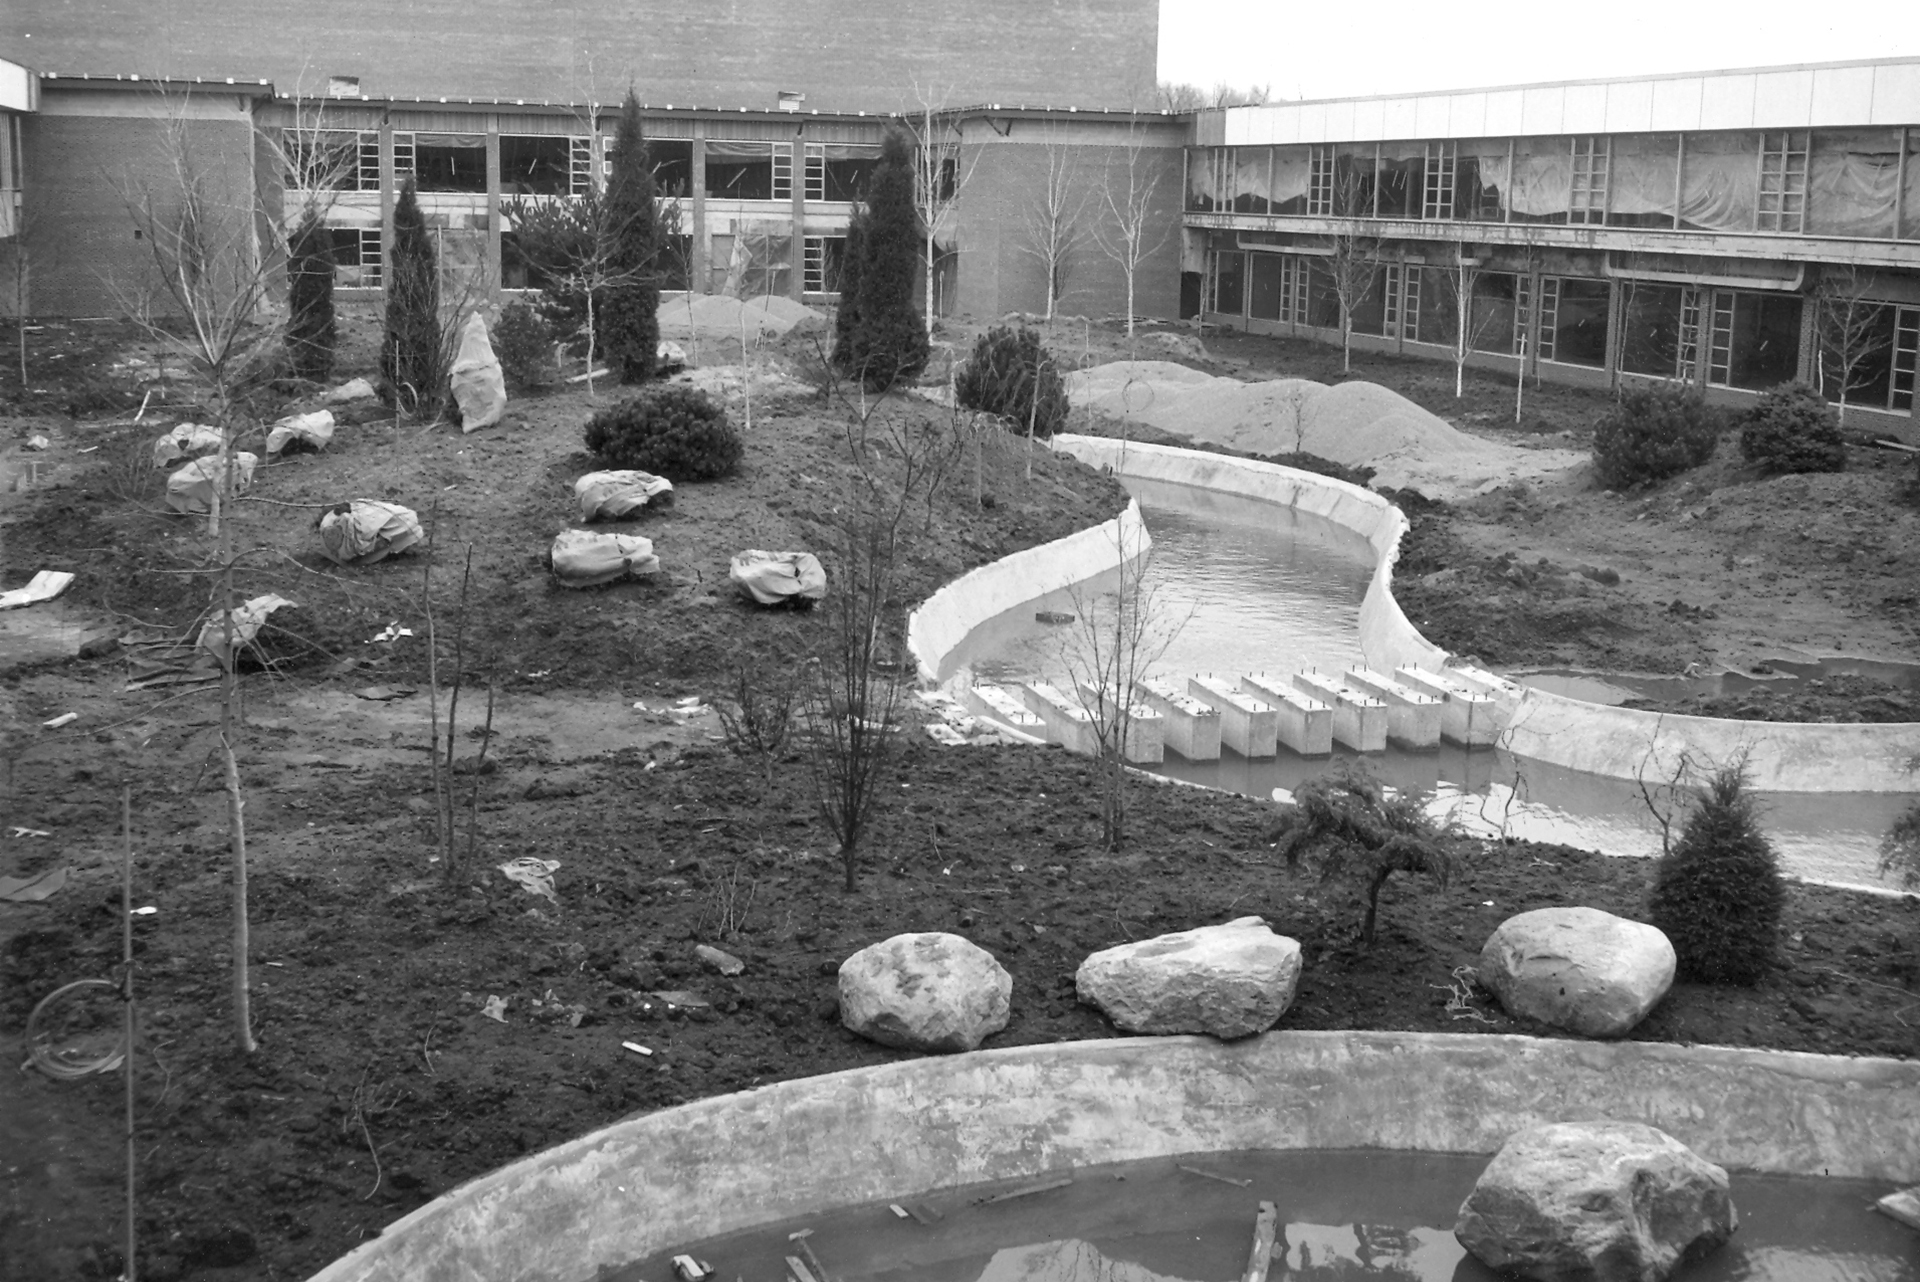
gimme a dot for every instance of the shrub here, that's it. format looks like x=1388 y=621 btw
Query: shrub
x=1792 y=429
x=524 y=345
x=1900 y=848
x=310 y=329
x=1718 y=893
x=1012 y=375
x=1652 y=432
x=411 y=352
x=1349 y=826
x=672 y=431
x=878 y=336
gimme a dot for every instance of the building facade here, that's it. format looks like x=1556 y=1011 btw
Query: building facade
x=1733 y=230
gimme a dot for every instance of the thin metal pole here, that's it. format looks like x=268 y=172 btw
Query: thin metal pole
x=126 y=965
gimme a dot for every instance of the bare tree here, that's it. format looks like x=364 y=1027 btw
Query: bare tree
x=1470 y=325
x=1183 y=98
x=1851 y=331
x=1133 y=230
x=1052 y=232
x=1354 y=261
x=25 y=250
x=1526 y=291
x=939 y=177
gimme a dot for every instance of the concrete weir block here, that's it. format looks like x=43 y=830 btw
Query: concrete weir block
x=1250 y=726
x=1003 y=705
x=1359 y=720
x=1190 y=727
x=1413 y=718
x=1146 y=731
x=1467 y=717
x=1067 y=722
x=1306 y=724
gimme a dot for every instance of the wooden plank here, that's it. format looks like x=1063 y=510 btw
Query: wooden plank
x=1265 y=1227
x=1044 y=1186
x=1903 y=1205
x=798 y=1271
x=1210 y=1175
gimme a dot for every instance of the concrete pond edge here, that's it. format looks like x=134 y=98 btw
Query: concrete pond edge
x=912 y=1128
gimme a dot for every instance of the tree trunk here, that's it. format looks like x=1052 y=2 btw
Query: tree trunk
x=1520 y=381
x=237 y=829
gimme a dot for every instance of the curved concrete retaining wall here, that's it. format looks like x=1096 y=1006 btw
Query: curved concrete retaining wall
x=1619 y=743
x=910 y=1128
x=944 y=619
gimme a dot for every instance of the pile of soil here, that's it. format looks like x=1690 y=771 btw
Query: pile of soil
x=717 y=316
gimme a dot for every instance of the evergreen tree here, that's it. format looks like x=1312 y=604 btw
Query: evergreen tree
x=1718 y=894
x=883 y=339
x=411 y=355
x=310 y=330
x=630 y=307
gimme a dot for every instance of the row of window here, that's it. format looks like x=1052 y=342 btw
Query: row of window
x=551 y=165
x=1839 y=182
x=1726 y=338
x=745 y=266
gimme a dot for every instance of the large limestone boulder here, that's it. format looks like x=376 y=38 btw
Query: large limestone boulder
x=1578 y=968
x=1595 y=1202
x=479 y=385
x=1229 y=981
x=925 y=992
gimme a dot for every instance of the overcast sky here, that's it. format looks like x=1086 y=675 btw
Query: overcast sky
x=1339 y=48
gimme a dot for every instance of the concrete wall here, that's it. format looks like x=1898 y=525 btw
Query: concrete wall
x=845 y=55
x=999 y=273
x=87 y=155
x=920 y=1125
x=1618 y=743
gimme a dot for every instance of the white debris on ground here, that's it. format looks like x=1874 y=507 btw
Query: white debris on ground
x=1351 y=423
x=614 y=496
x=953 y=726
x=719 y=316
x=193 y=487
x=773 y=578
x=587 y=558
x=188 y=440
x=367 y=530
x=300 y=432
x=248 y=618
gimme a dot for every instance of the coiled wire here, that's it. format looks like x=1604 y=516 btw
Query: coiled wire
x=67 y=1062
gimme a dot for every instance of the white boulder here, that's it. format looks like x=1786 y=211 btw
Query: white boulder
x=587 y=558
x=354 y=389
x=189 y=440
x=925 y=992
x=773 y=578
x=1580 y=969
x=367 y=530
x=1233 y=980
x=301 y=432
x=614 y=495
x=194 y=487
x=1595 y=1202
x=479 y=385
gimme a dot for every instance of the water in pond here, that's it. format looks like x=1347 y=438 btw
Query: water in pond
x=1782 y=674
x=1258 y=587
x=1347 y=1215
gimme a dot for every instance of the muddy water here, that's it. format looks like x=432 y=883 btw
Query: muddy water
x=1344 y=1215
x=1242 y=586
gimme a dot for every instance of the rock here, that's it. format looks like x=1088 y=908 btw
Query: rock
x=358 y=389
x=669 y=358
x=479 y=386
x=1228 y=981
x=1595 y=1202
x=926 y=992
x=1578 y=968
x=724 y=962
x=1175 y=345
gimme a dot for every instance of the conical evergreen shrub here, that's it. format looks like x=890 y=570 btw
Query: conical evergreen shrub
x=412 y=359
x=630 y=308
x=1718 y=893
x=880 y=338
x=310 y=328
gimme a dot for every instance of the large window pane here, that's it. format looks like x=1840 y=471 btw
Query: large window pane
x=1856 y=350
x=1910 y=201
x=1353 y=179
x=1288 y=195
x=1541 y=185
x=449 y=162
x=740 y=170
x=1439 y=308
x=1580 y=323
x=1651 y=341
x=1493 y=312
x=1480 y=182
x=1403 y=170
x=1323 y=302
x=1370 y=309
x=534 y=166
x=1202 y=193
x=1229 y=283
x=1766 y=340
x=1641 y=182
x=847 y=169
x=1851 y=180
x=1250 y=180
x=672 y=161
x=1263 y=286
x=1720 y=182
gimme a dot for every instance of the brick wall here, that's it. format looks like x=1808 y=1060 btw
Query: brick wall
x=83 y=169
x=997 y=274
x=845 y=55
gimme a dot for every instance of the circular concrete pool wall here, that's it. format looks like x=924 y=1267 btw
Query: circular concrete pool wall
x=907 y=1129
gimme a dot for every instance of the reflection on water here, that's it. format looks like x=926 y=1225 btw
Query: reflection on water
x=1347 y=1216
x=1257 y=587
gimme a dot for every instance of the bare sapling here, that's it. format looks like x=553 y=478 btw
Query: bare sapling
x=1133 y=229
x=756 y=717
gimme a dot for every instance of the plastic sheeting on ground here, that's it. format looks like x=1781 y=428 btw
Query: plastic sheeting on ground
x=186 y=441
x=772 y=578
x=301 y=432
x=367 y=530
x=248 y=618
x=43 y=586
x=612 y=495
x=585 y=558
x=193 y=487
x=479 y=386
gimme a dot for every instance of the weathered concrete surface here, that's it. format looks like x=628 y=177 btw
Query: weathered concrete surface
x=905 y=1129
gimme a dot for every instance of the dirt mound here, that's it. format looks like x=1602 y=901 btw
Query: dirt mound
x=1350 y=423
x=719 y=316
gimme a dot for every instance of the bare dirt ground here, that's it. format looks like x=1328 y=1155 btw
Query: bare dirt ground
x=379 y=1082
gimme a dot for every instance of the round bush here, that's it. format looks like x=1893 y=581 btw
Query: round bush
x=1653 y=432
x=1792 y=429
x=672 y=431
x=1012 y=375
x=524 y=344
x=1718 y=894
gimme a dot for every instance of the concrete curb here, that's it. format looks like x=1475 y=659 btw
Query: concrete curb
x=1618 y=743
x=913 y=1127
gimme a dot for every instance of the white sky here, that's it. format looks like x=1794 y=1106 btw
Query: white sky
x=1341 y=48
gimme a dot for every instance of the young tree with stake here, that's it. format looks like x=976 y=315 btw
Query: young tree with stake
x=1133 y=229
x=1354 y=261
x=1052 y=233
